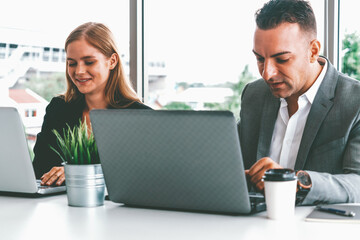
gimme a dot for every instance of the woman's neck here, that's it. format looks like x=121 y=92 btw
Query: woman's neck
x=92 y=102
x=95 y=102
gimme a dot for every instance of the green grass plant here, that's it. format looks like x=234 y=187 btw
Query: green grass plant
x=76 y=145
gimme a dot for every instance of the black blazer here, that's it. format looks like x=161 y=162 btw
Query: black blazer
x=58 y=114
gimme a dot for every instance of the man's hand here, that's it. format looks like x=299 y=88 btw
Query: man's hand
x=56 y=174
x=257 y=171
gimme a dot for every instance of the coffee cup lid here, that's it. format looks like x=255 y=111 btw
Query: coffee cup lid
x=281 y=174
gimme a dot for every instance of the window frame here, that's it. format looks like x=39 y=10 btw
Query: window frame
x=332 y=31
x=138 y=68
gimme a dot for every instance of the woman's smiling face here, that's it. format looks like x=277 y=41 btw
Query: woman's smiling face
x=87 y=67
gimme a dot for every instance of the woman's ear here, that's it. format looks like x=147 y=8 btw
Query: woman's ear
x=114 y=59
x=314 y=50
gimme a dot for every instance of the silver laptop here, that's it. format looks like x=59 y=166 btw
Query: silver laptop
x=16 y=169
x=181 y=160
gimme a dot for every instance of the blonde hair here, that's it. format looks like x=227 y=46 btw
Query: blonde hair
x=118 y=90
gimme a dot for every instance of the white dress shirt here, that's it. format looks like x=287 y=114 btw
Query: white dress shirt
x=288 y=132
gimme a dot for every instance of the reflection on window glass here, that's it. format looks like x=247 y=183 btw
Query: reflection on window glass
x=349 y=40
x=32 y=55
x=205 y=51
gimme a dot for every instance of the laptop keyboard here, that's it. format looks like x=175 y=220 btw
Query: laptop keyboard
x=42 y=186
x=257 y=201
x=256 y=195
x=256 y=198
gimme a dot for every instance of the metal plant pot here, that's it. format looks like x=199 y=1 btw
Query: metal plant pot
x=85 y=185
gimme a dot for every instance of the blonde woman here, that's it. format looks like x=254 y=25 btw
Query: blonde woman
x=95 y=80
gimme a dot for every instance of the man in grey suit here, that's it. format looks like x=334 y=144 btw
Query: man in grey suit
x=303 y=114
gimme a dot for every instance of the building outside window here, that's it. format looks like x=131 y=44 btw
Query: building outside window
x=2 y=50
x=46 y=54
x=63 y=55
x=12 y=48
x=55 y=56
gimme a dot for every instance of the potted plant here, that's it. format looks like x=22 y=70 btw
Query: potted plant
x=85 y=183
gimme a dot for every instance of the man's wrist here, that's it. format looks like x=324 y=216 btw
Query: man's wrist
x=304 y=185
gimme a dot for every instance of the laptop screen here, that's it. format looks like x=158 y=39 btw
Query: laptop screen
x=186 y=160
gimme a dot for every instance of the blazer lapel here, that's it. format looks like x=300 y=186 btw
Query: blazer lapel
x=268 y=118
x=319 y=109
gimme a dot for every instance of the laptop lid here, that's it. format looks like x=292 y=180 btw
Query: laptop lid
x=184 y=160
x=16 y=169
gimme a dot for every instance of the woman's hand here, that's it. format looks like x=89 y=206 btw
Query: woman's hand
x=55 y=175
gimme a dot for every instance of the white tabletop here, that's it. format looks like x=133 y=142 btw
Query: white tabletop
x=51 y=218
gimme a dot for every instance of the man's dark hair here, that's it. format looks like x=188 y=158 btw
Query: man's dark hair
x=276 y=12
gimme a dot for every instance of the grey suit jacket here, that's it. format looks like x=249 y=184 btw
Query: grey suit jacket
x=330 y=145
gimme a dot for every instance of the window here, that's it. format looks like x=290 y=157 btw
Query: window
x=318 y=7
x=32 y=45
x=2 y=50
x=12 y=48
x=205 y=51
x=63 y=55
x=55 y=56
x=46 y=54
x=196 y=51
x=349 y=36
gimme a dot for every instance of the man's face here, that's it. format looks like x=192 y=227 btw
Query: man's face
x=283 y=58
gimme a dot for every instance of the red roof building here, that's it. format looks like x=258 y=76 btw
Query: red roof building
x=24 y=96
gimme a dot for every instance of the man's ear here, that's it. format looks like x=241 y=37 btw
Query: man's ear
x=114 y=59
x=314 y=50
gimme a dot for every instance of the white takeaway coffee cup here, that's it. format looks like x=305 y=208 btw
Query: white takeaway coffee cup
x=280 y=193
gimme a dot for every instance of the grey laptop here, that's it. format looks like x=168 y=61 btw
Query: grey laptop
x=181 y=160
x=16 y=170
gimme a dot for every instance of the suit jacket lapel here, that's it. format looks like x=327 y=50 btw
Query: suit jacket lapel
x=319 y=109
x=268 y=118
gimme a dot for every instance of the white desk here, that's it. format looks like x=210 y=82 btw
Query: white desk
x=51 y=218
